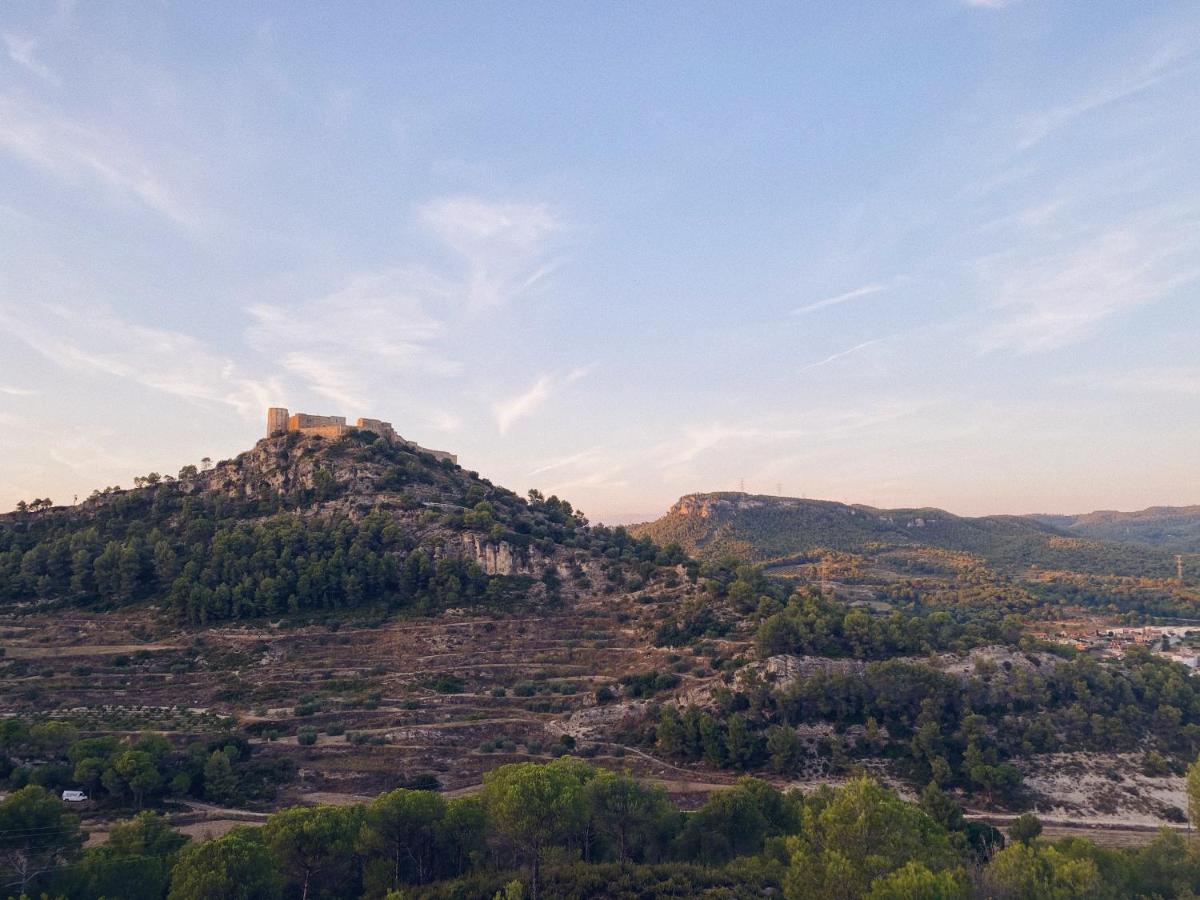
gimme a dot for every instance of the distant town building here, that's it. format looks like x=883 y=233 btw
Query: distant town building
x=279 y=421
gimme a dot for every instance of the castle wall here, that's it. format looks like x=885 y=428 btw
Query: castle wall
x=333 y=427
x=277 y=420
x=383 y=429
x=439 y=455
x=302 y=421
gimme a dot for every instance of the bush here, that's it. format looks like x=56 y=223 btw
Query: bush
x=306 y=736
x=446 y=683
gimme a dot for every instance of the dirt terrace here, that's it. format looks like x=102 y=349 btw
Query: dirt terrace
x=452 y=696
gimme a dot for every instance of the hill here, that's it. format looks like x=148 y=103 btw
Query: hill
x=300 y=524
x=783 y=530
x=321 y=619
x=1173 y=528
x=426 y=622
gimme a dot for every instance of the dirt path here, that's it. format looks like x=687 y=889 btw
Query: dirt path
x=1104 y=834
x=223 y=811
x=16 y=651
x=659 y=762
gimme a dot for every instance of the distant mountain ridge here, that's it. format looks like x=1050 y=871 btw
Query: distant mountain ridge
x=1174 y=528
x=773 y=529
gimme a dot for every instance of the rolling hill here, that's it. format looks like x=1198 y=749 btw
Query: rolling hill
x=782 y=529
x=1173 y=528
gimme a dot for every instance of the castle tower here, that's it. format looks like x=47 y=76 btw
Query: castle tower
x=277 y=420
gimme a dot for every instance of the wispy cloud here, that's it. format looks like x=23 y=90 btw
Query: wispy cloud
x=377 y=324
x=509 y=410
x=330 y=376
x=350 y=343
x=575 y=459
x=593 y=471
x=989 y=4
x=77 y=152
x=16 y=391
x=699 y=439
x=513 y=408
x=607 y=478
x=842 y=354
x=865 y=291
x=831 y=423
x=1172 y=61
x=166 y=361
x=502 y=245
x=23 y=51
x=1050 y=298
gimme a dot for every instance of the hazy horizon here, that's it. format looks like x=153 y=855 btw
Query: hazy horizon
x=941 y=255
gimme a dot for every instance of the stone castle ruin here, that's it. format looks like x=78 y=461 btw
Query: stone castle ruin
x=333 y=427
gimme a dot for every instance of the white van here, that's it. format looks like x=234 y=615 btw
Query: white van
x=74 y=797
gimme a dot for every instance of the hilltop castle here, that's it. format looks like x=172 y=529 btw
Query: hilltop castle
x=279 y=421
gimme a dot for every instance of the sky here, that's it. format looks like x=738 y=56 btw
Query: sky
x=934 y=253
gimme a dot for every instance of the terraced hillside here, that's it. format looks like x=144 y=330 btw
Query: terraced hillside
x=447 y=697
x=353 y=616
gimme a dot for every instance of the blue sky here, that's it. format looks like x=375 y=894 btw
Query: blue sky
x=934 y=253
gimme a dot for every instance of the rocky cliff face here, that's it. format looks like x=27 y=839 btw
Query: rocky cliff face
x=499 y=557
x=719 y=505
x=285 y=464
x=709 y=505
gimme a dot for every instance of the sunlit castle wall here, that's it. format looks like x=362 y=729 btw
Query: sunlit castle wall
x=277 y=420
x=305 y=421
x=383 y=429
x=333 y=427
x=329 y=427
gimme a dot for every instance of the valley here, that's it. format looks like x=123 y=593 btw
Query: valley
x=320 y=622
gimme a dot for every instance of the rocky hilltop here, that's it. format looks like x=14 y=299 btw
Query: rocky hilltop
x=304 y=523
